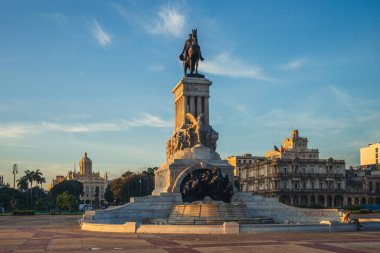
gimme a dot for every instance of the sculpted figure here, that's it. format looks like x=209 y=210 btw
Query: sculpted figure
x=211 y=138
x=191 y=54
x=181 y=139
x=200 y=128
x=205 y=182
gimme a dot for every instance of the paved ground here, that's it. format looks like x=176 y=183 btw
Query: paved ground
x=62 y=234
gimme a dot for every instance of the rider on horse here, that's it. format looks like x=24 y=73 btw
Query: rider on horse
x=186 y=47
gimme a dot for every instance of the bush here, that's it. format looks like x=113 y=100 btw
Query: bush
x=352 y=207
x=23 y=212
x=316 y=205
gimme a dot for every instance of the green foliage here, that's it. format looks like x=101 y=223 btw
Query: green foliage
x=352 y=207
x=22 y=183
x=130 y=184
x=67 y=201
x=73 y=187
x=23 y=212
x=108 y=195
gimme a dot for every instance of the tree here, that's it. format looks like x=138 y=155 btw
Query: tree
x=96 y=197
x=30 y=177
x=67 y=201
x=37 y=176
x=22 y=183
x=108 y=195
x=130 y=184
x=73 y=187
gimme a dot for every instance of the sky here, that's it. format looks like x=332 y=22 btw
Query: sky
x=96 y=77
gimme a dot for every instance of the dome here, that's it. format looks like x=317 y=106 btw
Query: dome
x=85 y=165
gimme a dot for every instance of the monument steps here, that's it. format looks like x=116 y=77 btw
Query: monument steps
x=211 y=213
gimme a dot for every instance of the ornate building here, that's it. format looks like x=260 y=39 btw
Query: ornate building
x=296 y=175
x=363 y=186
x=94 y=185
x=239 y=161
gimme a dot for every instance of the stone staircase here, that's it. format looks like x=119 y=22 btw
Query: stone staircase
x=211 y=213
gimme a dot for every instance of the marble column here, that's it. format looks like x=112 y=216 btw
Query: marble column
x=206 y=111
x=192 y=105
x=199 y=106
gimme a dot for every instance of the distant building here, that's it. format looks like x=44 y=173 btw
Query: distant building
x=370 y=155
x=238 y=161
x=295 y=174
x=363 y=186
x=94 y=185
x=2 y=184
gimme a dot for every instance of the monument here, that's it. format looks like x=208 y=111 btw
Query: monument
x=195 y=186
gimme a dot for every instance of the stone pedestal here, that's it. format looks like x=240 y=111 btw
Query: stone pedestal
x=169 y=176
x=191 y=95
x=183 y=154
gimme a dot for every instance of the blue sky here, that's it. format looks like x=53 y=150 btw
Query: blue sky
x=96 y=76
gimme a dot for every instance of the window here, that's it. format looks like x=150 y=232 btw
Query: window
x=338 y=186
x=304 y=185
x=284 y=170
x=285 y=185
x=312 y=185
x=320 y=186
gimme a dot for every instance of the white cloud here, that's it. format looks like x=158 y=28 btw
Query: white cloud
x=12 y=130
x=101 y=36
x=156 y=67
x=295 y=64
x=58 y=17
x=223 y=64
x=170 y=22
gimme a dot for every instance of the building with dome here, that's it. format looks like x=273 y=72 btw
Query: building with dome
x=94 y=185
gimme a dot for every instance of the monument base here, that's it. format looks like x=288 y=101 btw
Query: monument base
x=165 y=209
x=169 y=176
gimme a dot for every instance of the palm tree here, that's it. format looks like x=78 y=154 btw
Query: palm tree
x=41 y=181
x=30 y=177
x=37 y=176
x=22 y=183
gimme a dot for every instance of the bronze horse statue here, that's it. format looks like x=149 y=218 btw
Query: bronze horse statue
x=193 y=55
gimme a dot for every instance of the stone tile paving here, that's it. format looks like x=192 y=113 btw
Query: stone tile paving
x=47 y=233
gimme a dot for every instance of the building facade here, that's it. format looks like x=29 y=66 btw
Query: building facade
x=94 y=185
x=363 y=186
x=239 y=161
x=296 y=175
x=370 y=155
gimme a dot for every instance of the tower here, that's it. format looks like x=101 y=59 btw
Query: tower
x=85 y=165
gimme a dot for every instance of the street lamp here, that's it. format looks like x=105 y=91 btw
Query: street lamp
x=140 y=186
x=15 y=171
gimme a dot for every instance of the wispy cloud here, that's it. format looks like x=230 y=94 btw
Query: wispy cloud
x=56 y=16
x=170 y=21
x=101 y=36
x=295 y=64
x=156 y=67
x=225 y=65
x=11 y=130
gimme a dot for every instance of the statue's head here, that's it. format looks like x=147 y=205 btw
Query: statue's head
x=190 y=35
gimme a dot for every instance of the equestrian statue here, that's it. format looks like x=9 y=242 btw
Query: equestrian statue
x=191 y=54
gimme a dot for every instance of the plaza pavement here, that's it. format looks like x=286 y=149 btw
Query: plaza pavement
x=48 y=233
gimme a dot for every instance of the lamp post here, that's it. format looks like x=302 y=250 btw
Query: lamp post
x=15 y=171
x=140 y=186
